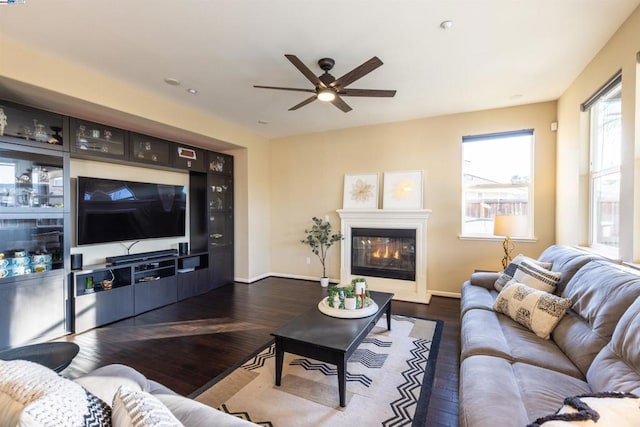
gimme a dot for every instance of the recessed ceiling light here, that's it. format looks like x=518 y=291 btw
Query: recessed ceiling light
x=192 y=91
x=171 y=81
x=515 y=97
x=445 y=25
x=263 y=122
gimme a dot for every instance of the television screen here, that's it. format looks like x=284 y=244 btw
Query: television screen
x=112 y=210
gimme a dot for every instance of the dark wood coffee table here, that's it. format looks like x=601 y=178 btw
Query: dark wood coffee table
x=53 y=355
x=328 y=339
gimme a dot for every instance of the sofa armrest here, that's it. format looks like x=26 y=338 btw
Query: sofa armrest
x=485 y=279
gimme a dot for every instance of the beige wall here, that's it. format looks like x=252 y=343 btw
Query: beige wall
x=573 y=135
x=307 y=180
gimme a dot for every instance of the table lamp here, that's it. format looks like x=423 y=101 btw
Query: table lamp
x=509 y=226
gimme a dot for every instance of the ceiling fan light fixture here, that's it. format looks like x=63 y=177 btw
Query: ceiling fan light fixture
x=326 y=95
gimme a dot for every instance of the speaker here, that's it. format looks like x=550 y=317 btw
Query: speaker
x=76 y=261
x=183 y=248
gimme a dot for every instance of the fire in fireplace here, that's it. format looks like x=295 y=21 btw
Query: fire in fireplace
x=384 y=252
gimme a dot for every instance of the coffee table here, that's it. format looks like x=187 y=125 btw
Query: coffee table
x=53 y=355
x=328 y=339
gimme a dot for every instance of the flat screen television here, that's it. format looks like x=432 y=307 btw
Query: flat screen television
x=113 y=210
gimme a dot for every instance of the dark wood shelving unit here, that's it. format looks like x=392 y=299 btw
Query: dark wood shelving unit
x=69 y=304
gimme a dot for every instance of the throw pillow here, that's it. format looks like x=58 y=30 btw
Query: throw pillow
x=537 y=310
x=536 y=277
x=33 y=395
x=509 y=272
x=607 y=409
x=140 y=409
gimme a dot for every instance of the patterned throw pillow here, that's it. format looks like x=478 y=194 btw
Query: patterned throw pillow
x=608 y=409
x=510 y=271
x=538 y=311
x=140 y=409
x=33 y=395
x=536 y=277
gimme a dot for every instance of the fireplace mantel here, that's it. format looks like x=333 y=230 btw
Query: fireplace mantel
x=404 y=290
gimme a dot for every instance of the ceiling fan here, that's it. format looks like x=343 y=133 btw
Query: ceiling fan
x=330 y=89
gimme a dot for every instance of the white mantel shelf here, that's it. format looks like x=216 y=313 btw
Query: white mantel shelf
x=404 y=290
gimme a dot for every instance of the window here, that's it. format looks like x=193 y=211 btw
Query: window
x=605 y=159
x=497 y=179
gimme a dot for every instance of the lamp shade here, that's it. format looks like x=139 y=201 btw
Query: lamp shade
x=510 y=225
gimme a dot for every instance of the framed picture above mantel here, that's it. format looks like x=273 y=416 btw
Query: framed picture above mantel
x=360 y=191
x=402 y=190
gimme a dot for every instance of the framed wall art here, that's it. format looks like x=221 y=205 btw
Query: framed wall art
x=360 y=191
x=402 y=190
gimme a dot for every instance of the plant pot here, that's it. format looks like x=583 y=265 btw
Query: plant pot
x=324 y=282
x=350 y=303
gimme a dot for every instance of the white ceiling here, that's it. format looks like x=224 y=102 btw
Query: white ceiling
x=498 y=53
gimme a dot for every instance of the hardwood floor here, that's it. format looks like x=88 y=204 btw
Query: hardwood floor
x=186 y=344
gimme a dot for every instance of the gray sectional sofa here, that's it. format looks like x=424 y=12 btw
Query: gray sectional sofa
x=511 y=377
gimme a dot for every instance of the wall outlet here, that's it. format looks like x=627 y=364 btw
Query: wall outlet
x=308 y=260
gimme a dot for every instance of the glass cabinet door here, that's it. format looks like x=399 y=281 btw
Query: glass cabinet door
x=29 y=124
x=30 y=181
x=220 y=163
x=30 y=244
x=97 y=140
x=151 y=150
x=220 y=193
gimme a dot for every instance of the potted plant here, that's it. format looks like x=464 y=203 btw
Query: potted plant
x=320 y=238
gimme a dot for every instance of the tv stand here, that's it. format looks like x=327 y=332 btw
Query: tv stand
x=151 y=280
x=143 y=256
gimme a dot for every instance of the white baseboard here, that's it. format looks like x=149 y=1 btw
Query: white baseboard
x=445 y=294
x=317 y=279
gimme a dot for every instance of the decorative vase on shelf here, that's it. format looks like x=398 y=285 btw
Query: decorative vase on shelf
x=324 y=282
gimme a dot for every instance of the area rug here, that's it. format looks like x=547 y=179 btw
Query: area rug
x=389 y=381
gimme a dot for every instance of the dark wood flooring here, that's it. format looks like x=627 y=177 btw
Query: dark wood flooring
x=184 y=345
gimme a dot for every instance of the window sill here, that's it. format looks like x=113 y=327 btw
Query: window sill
x=499 y=239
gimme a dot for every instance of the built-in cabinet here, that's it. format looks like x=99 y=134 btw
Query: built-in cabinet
x=35 y=225
x=34 y=218
x=220 y=209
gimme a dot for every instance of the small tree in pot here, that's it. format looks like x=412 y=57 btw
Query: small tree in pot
x=320 y=238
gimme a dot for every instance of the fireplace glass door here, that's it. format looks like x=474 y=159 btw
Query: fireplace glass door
x=384 y=252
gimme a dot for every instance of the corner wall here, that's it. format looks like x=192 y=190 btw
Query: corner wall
x=307 y=173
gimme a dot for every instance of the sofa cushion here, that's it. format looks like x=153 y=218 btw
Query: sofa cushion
x=489 y=333
x=497 y=392
x=600 y=293
x=473 y=296
x=537 y=310
x=33 y=395
x=617 y=366
x=195 y=414
x=133 y=408
x=105 y=381
x=566 y=260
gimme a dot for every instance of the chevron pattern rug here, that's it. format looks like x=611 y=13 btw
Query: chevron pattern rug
x=389 y=381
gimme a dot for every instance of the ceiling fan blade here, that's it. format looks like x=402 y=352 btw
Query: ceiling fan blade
x=339 y=102
x=357 y=73
x=303 y=103
x=368 y=92
x=305 y=70
x=285 y=88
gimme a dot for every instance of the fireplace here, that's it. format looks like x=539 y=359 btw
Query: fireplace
x=384 y=252
x=388 y=248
